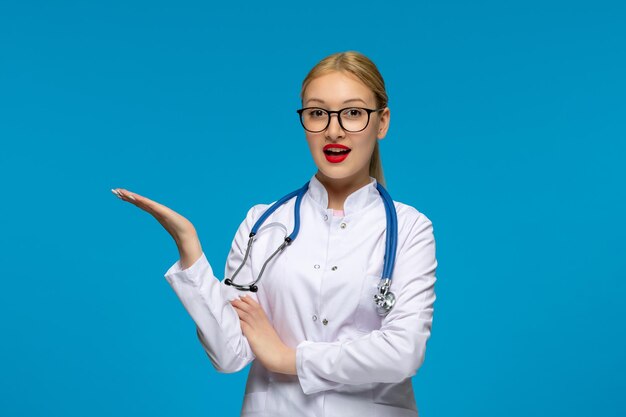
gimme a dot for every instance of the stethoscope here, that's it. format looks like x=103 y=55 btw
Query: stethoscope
x=385 y=299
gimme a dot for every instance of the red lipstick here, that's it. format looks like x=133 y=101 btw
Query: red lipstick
x=336 y=153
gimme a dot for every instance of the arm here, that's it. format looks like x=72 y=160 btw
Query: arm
x=206 y=299
x=397 y=350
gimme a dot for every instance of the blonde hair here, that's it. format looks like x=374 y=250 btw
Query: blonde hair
x=365 y=70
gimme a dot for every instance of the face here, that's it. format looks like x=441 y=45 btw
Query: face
x=335 y=91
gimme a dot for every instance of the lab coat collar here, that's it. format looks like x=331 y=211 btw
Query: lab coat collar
x=355 y=202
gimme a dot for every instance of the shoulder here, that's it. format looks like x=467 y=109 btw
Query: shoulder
x=410 y=216
x=257 y=209
x=255 y=212
x=413 y=224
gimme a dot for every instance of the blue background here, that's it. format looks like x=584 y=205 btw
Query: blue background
x=507 y=131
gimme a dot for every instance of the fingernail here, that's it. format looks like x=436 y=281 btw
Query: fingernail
x=116 y=193
x=131 y=197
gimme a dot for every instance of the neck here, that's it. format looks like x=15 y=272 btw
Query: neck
x=339 y=189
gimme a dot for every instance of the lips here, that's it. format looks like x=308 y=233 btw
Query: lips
x=336 y=149
x=336 y=153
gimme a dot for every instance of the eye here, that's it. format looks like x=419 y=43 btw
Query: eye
x=353 y=113
x=316 y=113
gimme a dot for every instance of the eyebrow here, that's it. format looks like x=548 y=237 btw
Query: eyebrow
x=347 y=101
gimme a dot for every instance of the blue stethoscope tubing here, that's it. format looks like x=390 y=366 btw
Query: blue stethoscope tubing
x=385 y=299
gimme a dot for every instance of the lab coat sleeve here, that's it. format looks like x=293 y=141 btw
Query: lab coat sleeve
x=395 y=351
x=206 y=299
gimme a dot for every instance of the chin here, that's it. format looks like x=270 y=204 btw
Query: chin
x=338 y=173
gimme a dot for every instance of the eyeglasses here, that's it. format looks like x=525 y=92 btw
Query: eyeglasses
x=351 y=119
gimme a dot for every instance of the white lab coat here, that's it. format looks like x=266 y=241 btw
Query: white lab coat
x=318 y=294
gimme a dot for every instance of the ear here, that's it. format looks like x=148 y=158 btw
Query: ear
x=383 y=124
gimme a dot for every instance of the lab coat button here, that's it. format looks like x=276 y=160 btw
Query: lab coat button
x=325 y=322
x=314 y=318
x=316 y=266
x=325 y=217
x=334 y=268
x=343 y=225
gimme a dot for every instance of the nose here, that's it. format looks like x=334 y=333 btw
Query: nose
x=334 y=130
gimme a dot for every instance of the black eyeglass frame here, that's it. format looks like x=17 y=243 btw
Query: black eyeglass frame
x=330 y=113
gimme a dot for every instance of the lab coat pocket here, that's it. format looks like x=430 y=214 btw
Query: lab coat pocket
x=366 y=317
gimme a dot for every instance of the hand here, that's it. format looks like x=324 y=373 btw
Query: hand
x=262 y=337
x=181 y=229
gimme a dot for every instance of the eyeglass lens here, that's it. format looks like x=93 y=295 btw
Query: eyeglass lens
x=353 y=119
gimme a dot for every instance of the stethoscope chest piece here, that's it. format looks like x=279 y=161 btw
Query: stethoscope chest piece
x=385 y=299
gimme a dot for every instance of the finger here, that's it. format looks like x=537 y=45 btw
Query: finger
x=251 y=305
x=249 y=300
x=159 y=211
x=237 y=310
x=119 y=193
x=243 y=316
x=245 y=328
x=134 y=198
x=124 y=194
x=241 y=305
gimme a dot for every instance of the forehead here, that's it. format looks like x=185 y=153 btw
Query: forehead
x=336 y=87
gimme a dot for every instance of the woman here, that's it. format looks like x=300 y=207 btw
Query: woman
x=321 y=347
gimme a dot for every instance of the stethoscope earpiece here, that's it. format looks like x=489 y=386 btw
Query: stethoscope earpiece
x=251 y=288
